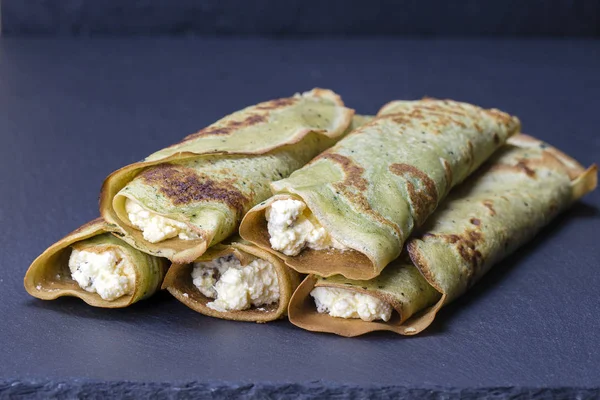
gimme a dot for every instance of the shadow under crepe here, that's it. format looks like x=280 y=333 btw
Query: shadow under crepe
x=161 y=316
x=162 y=301
x=501 y=271
x=162 y=306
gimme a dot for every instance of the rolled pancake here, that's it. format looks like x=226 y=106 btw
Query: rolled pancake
x=49 y=276
x=179 y=283
x=524 y=186
x=376 y=185
x=208 y=181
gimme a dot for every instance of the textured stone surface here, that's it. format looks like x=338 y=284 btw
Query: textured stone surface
x=71 y=111
x=303 y=17
x=195 y=390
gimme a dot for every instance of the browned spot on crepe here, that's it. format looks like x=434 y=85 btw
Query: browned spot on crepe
x=424 y=199
x=352 y=172
x=277 y=103
x=353 y=187
x=466 y=245
x=183 y=185
x=522 y=165
x=448 y=171
x=228 y=127
x=489 y=204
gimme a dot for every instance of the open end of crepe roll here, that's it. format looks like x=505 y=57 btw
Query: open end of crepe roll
x=350 y=210
x=102 y=269
x=292 y=228
x=156 y=228
x=97 y=267
x=345 y=303
x=351 y=308
x=234 y=281
x=160 y=225
x=285 y=225
x=183 y=199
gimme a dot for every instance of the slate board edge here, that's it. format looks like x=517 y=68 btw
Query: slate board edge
x=40 y=388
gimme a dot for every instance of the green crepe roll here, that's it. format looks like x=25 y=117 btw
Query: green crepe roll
x=524 y=186
x=96 y=266
x=235 y=281
x=187 y=197
x=350 y=210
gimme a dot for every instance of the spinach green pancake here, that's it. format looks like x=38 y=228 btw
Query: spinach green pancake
x=511 y=198
x=350 y=210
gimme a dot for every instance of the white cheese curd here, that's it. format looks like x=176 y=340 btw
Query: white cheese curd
x=291 y=231
x=206 y=273
x=235 y=287
x=154 y=227
x=105 y=273
x=345 y=303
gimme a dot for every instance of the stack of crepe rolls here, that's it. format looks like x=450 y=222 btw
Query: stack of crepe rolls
x=236 y=281
x=350 y=210
x=183 y=199
x=501 y=207
x=200 y=188
x=70 y=268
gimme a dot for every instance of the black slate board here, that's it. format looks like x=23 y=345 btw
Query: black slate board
x=71 y=111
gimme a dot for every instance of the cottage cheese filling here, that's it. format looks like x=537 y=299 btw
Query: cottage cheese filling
x=235 y=287
x=105 y=273
x=154 y=227
x=292 y=228
x=345 y=303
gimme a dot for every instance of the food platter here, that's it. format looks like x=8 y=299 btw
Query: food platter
x=535 y=302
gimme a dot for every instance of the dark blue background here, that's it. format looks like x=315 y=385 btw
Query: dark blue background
x=304 y=17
